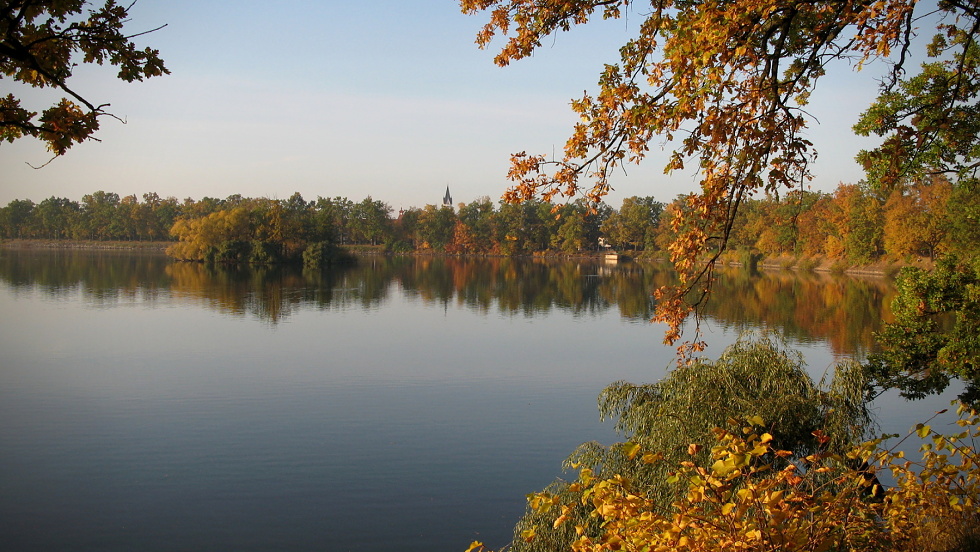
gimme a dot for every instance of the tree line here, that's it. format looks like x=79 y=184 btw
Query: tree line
x=476 y=227
x=855 y=223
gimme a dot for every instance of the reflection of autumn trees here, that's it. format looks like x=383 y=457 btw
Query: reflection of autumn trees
x=264 y=292
x=803 y=307
x=845 y=311
x=521 y=286
x=104 y=277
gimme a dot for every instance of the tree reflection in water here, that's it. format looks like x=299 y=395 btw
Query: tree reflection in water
x=804 y=307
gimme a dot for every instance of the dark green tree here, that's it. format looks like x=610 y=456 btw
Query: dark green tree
x=964 y=220
x=570 y=237
x=405 y=230
x=16 y=219
x=635 y=224
x=435 y=226
x=56 y=217
x=99 y=218
x=936 y=333
x=370 y=221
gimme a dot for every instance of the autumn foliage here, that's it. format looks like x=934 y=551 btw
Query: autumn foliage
x=724 y=86
x=257 y=231
x=741 y=497
x=41 y=45
x=853 y=224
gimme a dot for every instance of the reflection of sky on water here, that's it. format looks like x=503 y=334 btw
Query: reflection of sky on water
x=411 y=422
x=148 y=418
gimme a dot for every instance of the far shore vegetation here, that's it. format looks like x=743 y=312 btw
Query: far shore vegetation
x=853 y=227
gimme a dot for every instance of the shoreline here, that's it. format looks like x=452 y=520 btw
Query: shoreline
x=18 y=243
x=884 y=268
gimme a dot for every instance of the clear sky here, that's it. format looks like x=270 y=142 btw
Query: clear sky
x=386 y=98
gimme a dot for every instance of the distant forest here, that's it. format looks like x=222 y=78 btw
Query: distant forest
x=854 y=223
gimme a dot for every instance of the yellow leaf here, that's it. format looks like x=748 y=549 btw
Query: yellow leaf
x=631 y=450
x=650 y=458
x=474 y=545
x=723 y=467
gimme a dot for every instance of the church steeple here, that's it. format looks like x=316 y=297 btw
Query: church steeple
x=447 y=200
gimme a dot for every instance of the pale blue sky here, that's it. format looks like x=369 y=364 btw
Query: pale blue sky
x=387 y=98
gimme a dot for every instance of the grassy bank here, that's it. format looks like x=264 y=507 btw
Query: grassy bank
x=86 y=244
x=882 y=267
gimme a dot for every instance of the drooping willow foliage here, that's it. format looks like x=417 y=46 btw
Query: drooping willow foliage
x=756 y=376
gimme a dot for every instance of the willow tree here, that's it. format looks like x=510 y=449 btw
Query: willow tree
x=42 y=42
x=725 y=83
x=672 y=420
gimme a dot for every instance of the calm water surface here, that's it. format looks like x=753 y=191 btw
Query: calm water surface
x=401 y=404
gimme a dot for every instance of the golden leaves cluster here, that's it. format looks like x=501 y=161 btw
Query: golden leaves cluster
x=197 y=235
x=739 y=500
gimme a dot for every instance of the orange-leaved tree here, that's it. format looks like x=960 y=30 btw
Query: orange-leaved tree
x=41 y=44
x=726 y=84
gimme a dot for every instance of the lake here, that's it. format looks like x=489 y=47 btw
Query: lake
x=403 y=403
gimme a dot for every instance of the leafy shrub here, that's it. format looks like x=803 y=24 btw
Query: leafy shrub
x=399 y=246
x=752 y=377
x=749 y=258
x=320 y=254
x=232 y=251
x=806 y=264
x=740 y=498
x=264 y=252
